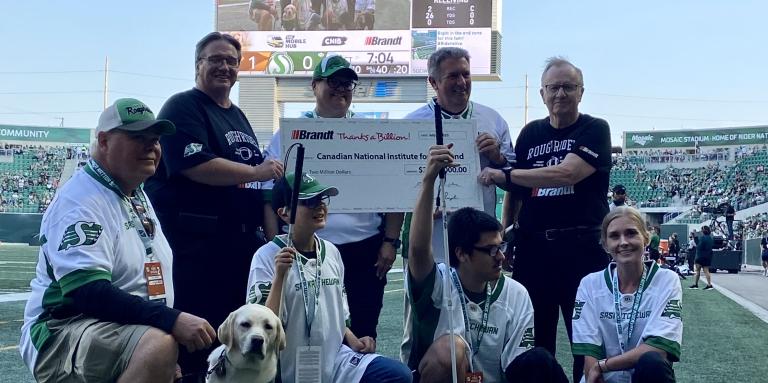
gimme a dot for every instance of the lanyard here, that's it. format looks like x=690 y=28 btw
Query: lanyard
x=310 y=314
x=313 y=114
x=475 y=345
x=93 y=169
x=632 y=314
x=464 y=115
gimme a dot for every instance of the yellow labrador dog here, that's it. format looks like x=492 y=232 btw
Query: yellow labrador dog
x=251 y=338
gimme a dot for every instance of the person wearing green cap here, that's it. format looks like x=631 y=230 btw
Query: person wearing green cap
x=314 y=313
x=102 y=297
x=208 y=192
x=368 y=251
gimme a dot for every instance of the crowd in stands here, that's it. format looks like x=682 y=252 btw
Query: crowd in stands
x=30 y=174
x=755 y=226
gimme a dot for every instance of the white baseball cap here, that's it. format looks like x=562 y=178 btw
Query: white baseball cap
x=132 y=115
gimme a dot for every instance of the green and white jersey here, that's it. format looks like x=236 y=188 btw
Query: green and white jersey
x=507 y=333
x=87 y=235
x=659 y=322
x=331 y=313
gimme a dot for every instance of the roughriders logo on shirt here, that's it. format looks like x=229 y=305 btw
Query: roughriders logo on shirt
x=80 y=233
x=577 y=307
x=528 y=339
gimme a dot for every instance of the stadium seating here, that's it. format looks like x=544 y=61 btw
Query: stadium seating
x=29 y=180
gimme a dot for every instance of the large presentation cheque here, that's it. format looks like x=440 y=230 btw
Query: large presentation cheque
x=378 y=164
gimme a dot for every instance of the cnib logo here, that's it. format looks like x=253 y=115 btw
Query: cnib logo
x=305 y=135
x=373 y=40
x=334 y=41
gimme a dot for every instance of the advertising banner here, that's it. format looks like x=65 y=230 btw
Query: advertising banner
x=690 y=138
x=378 y=165
x=45 y=134
x=378 y=37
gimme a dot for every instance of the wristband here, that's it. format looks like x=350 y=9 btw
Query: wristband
x=507 y=176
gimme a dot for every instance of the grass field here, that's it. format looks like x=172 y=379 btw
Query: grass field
x=722 y=342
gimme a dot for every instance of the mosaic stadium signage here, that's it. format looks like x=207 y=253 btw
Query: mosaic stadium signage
x=45 y=134
x=690 y=138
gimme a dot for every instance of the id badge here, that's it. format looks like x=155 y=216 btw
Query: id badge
x=309 y=364
x=474 y=377
x=153 y=272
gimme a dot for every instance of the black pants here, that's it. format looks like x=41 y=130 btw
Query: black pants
x=653 y=368
x=551 y=271
x=210 y=278
x=536 y=365
x=365 y=291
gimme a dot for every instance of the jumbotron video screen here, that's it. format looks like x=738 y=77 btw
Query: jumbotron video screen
x=379 y=37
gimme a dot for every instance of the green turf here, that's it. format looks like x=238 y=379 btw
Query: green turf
x=722 y=342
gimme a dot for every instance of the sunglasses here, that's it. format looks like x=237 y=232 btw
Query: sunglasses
x=316 y=201
x=146 y=221
x=492 y=250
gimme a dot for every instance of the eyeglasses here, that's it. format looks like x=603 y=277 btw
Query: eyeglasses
x=147 y=222
x=339 y=84
x=492 y=250
x=567 y=88
x=316 y=201
x=233 y=62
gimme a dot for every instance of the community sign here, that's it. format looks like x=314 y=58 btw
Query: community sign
x=45 y=134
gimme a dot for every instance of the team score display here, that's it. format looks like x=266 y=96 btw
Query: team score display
x=379 y=69
x=469 y=14
x=280 y=63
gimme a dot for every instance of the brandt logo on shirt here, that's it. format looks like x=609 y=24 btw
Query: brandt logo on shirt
x=79 y=234
x=192 y=149
x=673 y=309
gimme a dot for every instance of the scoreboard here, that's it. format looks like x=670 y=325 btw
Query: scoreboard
x=451 y=14
x=380 y=37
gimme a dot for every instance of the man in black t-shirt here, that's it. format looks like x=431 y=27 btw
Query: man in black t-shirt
x=206 y=192
x=730 y=214
x=558 y=183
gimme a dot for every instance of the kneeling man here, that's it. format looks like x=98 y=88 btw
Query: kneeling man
x=100 y=309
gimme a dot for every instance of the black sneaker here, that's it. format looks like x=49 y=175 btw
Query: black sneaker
x=693 y=286
x=709 y=287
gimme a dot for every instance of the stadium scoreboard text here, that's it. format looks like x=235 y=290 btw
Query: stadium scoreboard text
x=397 y=40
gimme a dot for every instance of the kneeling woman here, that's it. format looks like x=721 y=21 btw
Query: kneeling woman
x=627 y=318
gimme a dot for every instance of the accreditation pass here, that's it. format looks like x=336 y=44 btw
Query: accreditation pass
x=308 y=364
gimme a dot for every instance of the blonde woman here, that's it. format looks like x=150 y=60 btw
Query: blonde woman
x=642 y=343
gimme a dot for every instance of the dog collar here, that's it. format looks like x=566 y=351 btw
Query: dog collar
x=220 y=368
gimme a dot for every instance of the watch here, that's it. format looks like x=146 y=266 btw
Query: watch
x=396 y=242
x=507 y=175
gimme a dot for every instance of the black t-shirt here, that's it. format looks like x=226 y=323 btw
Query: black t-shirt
x=204 y=131
x=584 y=204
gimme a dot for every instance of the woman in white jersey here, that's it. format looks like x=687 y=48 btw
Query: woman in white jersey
x=642 y=343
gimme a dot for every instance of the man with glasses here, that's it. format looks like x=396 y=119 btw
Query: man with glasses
x=560 y=179
x=100 y=307
x=492 y=316
x=207 y=191
x=367 y=241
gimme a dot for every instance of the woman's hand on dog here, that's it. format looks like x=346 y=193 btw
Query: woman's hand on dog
x=193 y=332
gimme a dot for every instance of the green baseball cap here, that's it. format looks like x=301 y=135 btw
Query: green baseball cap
x=132 y=115
x=331 y=64
x=310 y=188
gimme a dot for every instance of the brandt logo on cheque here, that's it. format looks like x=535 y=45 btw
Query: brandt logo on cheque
x=306 y=135
x=642 y=140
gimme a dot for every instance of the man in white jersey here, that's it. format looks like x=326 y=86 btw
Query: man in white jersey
x=450 y=77
x=309 y=296
x=367 y=241
x=493 y=315
x=100 y=308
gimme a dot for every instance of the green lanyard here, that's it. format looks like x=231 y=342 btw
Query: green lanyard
x=466 y=114
x=474 y=344
x=93 y=169
x=635 y=308
x=309 y=313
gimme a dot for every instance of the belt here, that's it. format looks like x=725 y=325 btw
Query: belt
x=554 y=234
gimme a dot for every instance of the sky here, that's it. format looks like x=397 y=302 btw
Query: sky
x=650 y=65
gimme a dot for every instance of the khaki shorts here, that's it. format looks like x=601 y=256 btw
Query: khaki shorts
x=84 y=349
